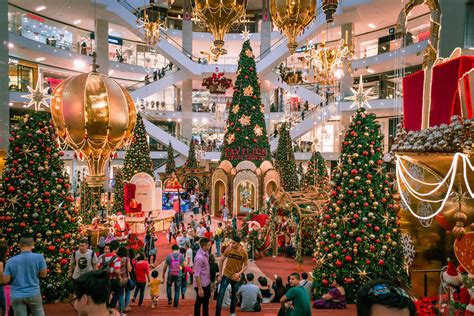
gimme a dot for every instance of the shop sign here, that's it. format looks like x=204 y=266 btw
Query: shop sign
x=13 y=61
x=35 y=17
x=253 y=154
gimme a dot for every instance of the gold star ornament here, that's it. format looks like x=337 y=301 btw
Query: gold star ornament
x=230 y=139
x=248 y=92
x=244 y=120
x=235 y=109
x=11 y=202
x=246 y=36
x=258 y=130
x=37 y=96
x=360 y=97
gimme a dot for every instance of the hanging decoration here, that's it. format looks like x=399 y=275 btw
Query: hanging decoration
x=218 y=83
x=218 y=16
x=37 y=96
x=329 y=8
x=360 y=97
x=81 y=108
x=328 y=62
x=152 y=24
x=291 y=17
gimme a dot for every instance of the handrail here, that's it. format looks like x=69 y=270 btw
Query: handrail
x=141 y=83
x=174 y=134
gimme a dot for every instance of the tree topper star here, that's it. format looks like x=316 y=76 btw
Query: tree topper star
x=37 y=96
x=360 y=97
x=245 y=34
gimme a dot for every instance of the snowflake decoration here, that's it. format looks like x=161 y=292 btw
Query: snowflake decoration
x=258 y=130
x=408 y=249
x=230 y=139
x=425 y=209
x=416 y=172
x=37 y=96
x=360 y=97
x=244 y=120
x=248 y=92
x=235 y=109
x=246 y=35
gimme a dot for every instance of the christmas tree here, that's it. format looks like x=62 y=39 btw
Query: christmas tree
x=170 y=163
x=192 y=162
x=137 y=158
x=118 y=192
x=246 y=135
x=359 y=234
x=35 y=201
x=285 y=160
x=87 y=204
x=317 y=173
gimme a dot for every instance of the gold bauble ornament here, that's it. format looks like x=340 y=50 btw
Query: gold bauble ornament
x=95 y=116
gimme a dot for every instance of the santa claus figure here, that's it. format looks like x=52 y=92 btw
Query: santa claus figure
x=452 y=281
x=122 y=229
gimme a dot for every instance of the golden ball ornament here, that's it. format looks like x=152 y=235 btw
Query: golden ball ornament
x=95 y=116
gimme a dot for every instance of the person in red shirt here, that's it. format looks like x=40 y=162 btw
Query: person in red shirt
x=142 y=270
x=208 y=234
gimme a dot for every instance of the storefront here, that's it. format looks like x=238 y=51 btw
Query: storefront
x=21 y=73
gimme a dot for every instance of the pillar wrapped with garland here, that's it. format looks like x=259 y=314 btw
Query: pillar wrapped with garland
x=170 y=163
x=317 y=173
x=285 y=160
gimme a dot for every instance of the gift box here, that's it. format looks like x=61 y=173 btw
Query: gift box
x=433 y=95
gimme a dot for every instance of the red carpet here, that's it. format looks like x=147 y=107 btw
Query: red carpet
x=283 y=266
x=186 y=309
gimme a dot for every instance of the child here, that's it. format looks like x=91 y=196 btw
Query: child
x=208 y=220
x=154 y=285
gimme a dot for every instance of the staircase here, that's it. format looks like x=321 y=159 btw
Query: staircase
x=300 y=90
x=165 y=138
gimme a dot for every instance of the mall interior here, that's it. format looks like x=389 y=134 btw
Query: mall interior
x=321 y=70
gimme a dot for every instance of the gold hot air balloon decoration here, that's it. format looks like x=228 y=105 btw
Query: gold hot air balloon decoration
x=219 y=16
x=291 y=17
x=95 y=116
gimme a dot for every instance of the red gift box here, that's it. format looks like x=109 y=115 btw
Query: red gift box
x=432 y=96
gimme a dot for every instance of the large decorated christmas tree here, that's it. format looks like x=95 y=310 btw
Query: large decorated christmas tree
x=359 y=234
x=35 y=200
x=246 y=135
x=192 y=162
x=170 y=163
x=285 y=160
x=317 y=173
x=137 y=158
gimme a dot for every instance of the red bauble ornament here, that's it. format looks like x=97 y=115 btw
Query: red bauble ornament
x=338 y=263
x=61 y=153
x=51 y=248
x=22 y=225
x=254 y=140
x=64 y=261
x=67 y=236
x=381 y=262
x=251 y=68
x=11 y=188
x=377 y=241
x=365 y=153
x=326 y=249
x=333 y=193
x=238 y=129
x=371 y=247
x=376 y=228
x=254 y=97
x=325 y=282
x=358 y=240
x=354 y=134
x=246 y=77
x=47 y=194
x=61 y=250
x=365 y=204
x=356 y=216
x=367 y=261
x=369 y=176
x=348 y=259
x=48 y=149
x=354 y=172
x=379 y=162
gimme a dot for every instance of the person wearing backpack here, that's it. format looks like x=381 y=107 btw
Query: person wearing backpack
x=82 y=260
x=111 y=263
x=175 y=262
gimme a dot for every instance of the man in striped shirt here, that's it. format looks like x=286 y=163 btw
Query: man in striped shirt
x=110 y=262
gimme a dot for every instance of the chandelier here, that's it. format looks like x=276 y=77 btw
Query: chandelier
x=151 y=26
x=218 y=16
x=291 y=17
x=328 y=62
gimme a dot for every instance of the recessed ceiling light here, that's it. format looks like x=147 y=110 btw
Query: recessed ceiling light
x=372 y=26
x=40 y=8
x=10 y=45
x=10 y=104
x=40 y=59
x=370 y=71
x=77 y=22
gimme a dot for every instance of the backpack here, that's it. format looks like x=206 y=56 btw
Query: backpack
x=82 y=264
x=175 y=265
x=105 y=264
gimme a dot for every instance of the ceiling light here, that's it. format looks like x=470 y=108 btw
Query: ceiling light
x=10 y=104
x=77 y=22
x=40 y=59
x=40 y=8
x=10 y=45
x=78 y=64
x=372 y=26
x=370 y=71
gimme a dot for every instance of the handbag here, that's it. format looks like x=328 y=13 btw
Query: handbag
x=152 y=252
x=130 y=285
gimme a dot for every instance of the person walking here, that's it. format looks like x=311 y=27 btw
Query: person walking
x=175 y=262
x=218 y=237
x=82 y=260
x=125 y=268
x=235 y=260
x=111 y=263
x=23 y=272
x=3 y=258
x=202 y=278
x=142 y=271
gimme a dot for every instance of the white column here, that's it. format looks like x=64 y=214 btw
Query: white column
x=187 y=88
x=102 y=45
x=4 y=93
x=347 y=81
